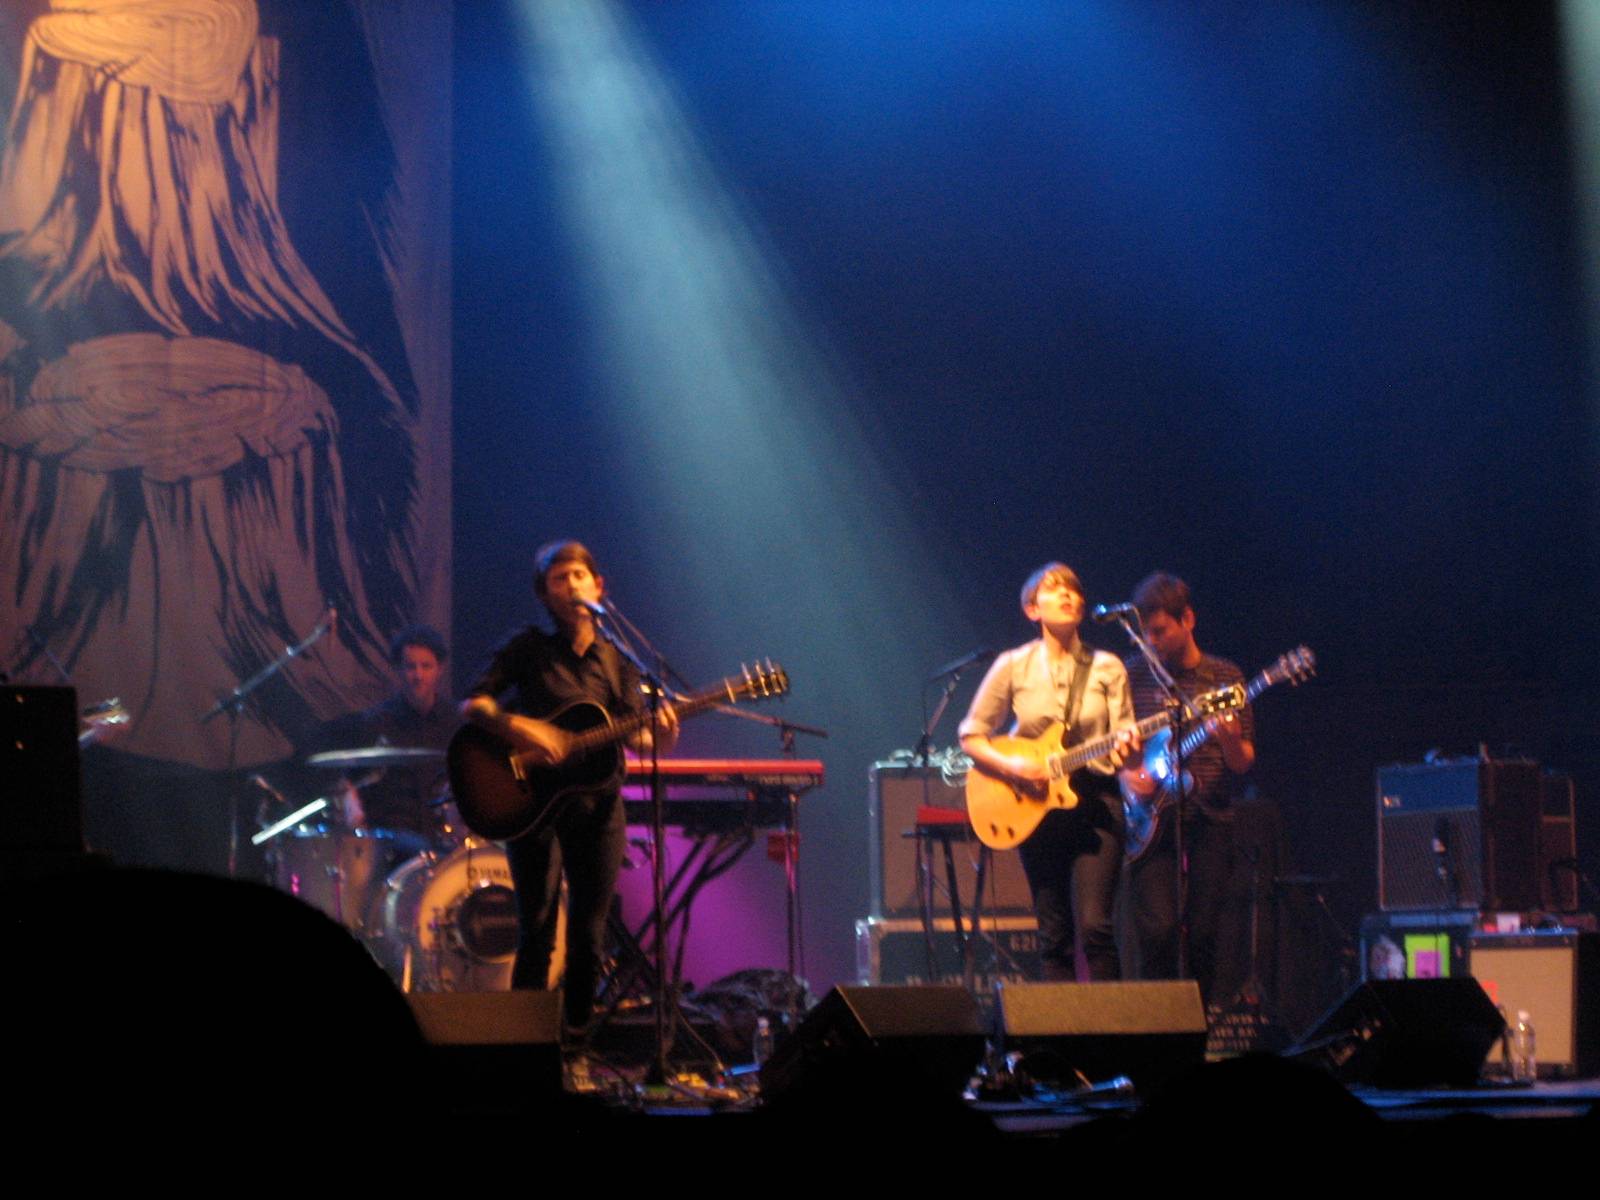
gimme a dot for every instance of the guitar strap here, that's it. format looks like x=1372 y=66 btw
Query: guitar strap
x=1083 y=658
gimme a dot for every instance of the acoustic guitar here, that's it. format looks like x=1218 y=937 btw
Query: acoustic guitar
x=504 y=793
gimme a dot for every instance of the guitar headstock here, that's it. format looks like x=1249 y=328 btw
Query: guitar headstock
x=106 y=713
x=762 y=681
x=1293 y=668
x=1222 y=699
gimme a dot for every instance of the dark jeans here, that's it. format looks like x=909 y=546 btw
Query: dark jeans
x=1218 y=908
x=1072 y=862
x=587 y=841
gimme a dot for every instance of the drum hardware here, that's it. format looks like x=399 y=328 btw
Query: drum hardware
x=332 y=869
x=289 y=822
x=374 y=756
x=449 y=829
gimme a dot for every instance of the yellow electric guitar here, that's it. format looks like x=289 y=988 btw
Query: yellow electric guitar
x=1004 y=811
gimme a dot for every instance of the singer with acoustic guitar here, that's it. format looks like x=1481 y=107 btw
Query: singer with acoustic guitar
x=537 y=673
x=1073 y=856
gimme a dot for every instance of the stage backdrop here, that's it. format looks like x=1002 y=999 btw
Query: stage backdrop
x=224 y=355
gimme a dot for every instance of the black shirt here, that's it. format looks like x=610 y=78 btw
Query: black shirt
x=402 y=798
x=542 y=674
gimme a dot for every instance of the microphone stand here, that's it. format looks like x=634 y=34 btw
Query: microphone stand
x=791 y=845
x=1179 y=710
x=233 y=704
x=609 y=623
x=786 y=734
x=951 y=674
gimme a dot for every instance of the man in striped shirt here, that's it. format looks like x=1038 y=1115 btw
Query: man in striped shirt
x=1216 y=906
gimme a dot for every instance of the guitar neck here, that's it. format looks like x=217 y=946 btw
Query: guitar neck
x=1084 y=753
x=1198 y=736
x=618 y=731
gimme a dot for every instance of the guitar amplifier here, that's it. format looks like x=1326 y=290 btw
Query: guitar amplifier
x=1459 y=835
x=1554 y=976
x=895 y=792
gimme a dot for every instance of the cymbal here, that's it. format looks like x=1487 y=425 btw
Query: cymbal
x=374 y=756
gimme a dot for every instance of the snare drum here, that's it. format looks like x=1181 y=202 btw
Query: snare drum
x=332 y=869
x=449 y=924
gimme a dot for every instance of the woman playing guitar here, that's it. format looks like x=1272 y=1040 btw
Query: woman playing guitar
x=1072 y=859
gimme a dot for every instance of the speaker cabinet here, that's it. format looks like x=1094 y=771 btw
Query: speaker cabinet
x=896 y=791
x=1148 y=1031
x=1406 y=1033
x=922 y=1040
x=1558 y=844
x=1459 y=835
x=1555 y=979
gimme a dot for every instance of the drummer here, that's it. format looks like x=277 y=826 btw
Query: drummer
x=401 y=800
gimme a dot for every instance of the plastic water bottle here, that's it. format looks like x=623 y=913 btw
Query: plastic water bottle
x=1524 y=1060
x=761 y=1049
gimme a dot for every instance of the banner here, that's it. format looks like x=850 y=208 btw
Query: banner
x=224 y=356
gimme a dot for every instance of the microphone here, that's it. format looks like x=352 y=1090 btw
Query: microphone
x=958 y=665
x=1104 y=613
x=598 y=611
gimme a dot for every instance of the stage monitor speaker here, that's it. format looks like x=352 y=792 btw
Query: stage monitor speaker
x=43 y=811
x=1148 y=1031
x=920 y=1040
x=1459 y=835
x=896 y=792
x=493 y=1052
x=1555 y=978
x=1406 y=1033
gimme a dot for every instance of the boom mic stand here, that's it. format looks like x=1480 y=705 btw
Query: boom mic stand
x=1179 y=711
x=233 y=704
x=608 y=623
x=793 y=925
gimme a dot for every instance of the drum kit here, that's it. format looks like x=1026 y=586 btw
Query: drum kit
x=437 y=911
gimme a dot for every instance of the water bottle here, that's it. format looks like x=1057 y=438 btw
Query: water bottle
x=1524 y=1061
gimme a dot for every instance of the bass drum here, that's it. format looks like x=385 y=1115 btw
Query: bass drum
x=449 y=924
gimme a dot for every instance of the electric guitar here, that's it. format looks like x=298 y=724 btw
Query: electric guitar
x=504 y=793
x=1143 y=811
x=1004 y=811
